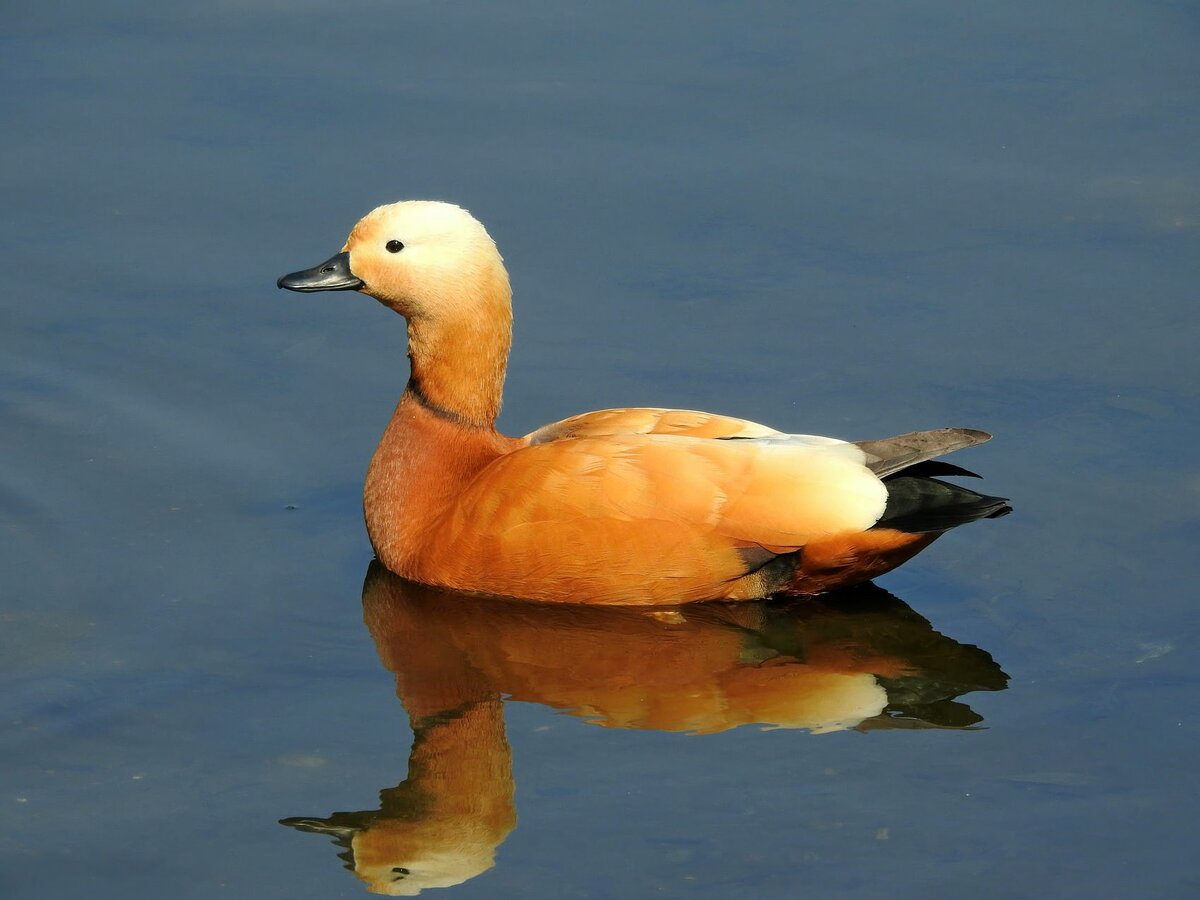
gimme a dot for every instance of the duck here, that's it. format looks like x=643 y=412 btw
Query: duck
x=635 y=506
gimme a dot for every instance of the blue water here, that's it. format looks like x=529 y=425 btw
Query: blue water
x=853 y=220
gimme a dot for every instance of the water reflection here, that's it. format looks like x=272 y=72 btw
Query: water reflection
x=861 y=659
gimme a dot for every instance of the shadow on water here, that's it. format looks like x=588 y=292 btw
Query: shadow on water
x=859 y=659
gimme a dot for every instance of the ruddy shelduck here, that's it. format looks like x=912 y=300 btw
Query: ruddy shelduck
x=621 y=506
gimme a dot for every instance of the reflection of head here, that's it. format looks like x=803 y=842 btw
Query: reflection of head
x=442 y=825
x=401 y=859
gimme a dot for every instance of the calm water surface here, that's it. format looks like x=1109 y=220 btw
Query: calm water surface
x=850 y=220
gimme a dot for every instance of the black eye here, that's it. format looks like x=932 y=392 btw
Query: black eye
x=394 y=246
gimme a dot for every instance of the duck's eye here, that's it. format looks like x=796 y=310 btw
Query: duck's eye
x=394 y=246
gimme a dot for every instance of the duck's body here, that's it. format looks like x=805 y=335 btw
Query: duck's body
x=632 y=506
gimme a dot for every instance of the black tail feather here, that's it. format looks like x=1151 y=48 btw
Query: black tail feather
x=935 y=467
x=918 y=504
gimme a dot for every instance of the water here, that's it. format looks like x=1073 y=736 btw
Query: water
x=850 y=221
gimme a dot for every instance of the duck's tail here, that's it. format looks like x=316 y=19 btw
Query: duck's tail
x=918 y=504
x=919 y=509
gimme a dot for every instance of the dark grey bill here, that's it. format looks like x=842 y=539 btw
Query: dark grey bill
x=332 y=275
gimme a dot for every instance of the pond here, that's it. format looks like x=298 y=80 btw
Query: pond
x=844 y=220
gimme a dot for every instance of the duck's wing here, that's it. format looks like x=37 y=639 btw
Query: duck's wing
x=904 y=450
x=647 y=420
x=627 y=517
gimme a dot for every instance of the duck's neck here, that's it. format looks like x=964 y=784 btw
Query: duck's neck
x=442 y=433
x=459 y=355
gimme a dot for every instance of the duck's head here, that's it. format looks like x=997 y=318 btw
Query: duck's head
x=436 y=265
x=425 y=259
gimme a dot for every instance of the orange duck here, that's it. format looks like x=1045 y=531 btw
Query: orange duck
x=622 y=506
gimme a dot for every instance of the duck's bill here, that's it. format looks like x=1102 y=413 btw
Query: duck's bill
x=332 y=275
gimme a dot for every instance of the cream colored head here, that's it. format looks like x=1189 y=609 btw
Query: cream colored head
x=416 y=861
x=437 y=266
x=429 y=260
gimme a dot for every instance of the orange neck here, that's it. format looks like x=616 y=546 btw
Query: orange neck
x=443 y=431
x=459 y=351
x=425 y=458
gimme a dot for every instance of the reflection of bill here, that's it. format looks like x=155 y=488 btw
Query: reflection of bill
x=861 y=659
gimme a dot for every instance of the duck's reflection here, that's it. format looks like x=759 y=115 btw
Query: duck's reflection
x=859 y=659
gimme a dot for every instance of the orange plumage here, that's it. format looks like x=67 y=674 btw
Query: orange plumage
x=630 y=506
